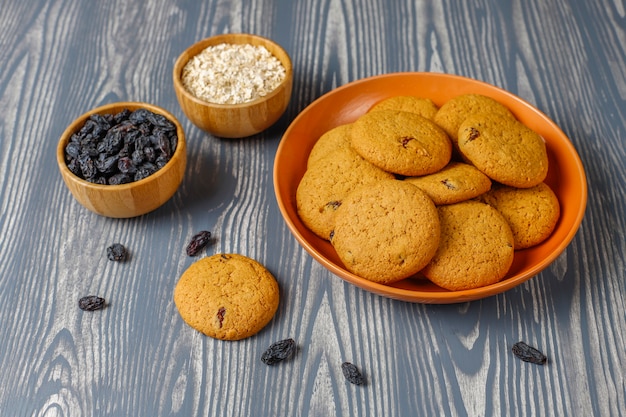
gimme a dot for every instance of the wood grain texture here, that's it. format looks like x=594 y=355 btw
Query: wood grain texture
x=136 y=357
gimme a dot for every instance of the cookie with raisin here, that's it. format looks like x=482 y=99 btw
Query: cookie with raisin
x=532 y=212
x=326 y=183
x=331 y=141
x=476 y=247
x=227 y=296
x=401 y=142
x=504 y=149
x=386 y=232
x=454 y=111
x=425 y=107
x=455 y=183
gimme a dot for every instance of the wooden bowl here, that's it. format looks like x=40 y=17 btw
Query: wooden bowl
x=566 y=176
x=234 y=120
x=131 y=199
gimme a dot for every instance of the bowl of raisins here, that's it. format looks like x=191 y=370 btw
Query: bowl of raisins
x=123 y=159
x=233 y=85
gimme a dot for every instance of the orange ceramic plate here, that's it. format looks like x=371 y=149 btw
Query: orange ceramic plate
x=566 y=176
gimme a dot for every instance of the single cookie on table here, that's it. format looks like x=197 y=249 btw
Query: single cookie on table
x=324 y=186
x=227 y=296
x=454 y=111
x=332 y=140
x=504 y=149
x=418 y=105
x=386 y=231
x=532 y=212
x=475 y=249
x=401 y=142
x=455 y=183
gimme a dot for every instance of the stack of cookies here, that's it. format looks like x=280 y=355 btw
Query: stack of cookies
x=411 y=189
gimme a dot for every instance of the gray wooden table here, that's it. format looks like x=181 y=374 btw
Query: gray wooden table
x=60 y=58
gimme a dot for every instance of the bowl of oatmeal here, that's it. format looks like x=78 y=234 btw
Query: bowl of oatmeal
x=233 y=85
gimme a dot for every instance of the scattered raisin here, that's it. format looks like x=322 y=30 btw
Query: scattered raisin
x=117 y=252
x=529 y=353
x=91 y=303
x=198 y=242
x=352 y=374
x=278 y=351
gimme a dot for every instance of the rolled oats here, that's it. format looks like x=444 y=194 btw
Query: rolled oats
x=232 y=73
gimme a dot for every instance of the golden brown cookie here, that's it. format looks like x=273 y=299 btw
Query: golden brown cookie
x=227 y=296
x=476 y=247
x=454 y=111
x=455 y=183
x=504 y=149
x=330 y=141
x=418 y=105
x=532 y=212
x=324 y=186
x=387 y=231
x=401 y=142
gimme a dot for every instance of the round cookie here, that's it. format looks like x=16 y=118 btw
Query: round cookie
x=386 y=232
x=401 y=142
x=336 y=138
x=476 y=247
x=455 y=183
x=422 y=106
x=227 y=296
x=324 y=186
x=532 y=212
x=504 y=149
x=454 y=111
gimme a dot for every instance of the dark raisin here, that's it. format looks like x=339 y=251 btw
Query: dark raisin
x=98 y=180
x=138 y=156
x=220 y=316
x=448 y=184
x=87 y=166
x=334 y=205
x=139 y=116
x=145 y=170
x=352 y=373
x=117 y=252
x=121 y=116
x=126 y=166
x=198 y=242
x=106 y=164
x=91 y=303
x=405 y=141
x=72 y=149
x=529 y=353
x=161 y=161
x=160 y=121
x=119 y=178
x=74 y=166
x=149 y=154
x=278 y=351
x=163 y=145
x=474 y=134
